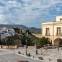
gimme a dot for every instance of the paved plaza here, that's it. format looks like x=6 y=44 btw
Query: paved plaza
x=14 y=58
x=48 y=55
x=8 y=55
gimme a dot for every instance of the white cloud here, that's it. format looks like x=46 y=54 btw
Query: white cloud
x=25 y=11
x=2 y=19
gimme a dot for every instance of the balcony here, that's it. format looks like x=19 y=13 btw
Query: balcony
x=59 y=34
x=47 y=34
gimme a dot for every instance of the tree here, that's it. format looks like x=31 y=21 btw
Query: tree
x=23 y=38
x=17 y=30
x=10 y=40
x=26 y=36
x=43 y=41
x=40 y=41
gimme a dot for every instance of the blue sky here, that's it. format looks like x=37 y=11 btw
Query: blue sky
x=29 y=12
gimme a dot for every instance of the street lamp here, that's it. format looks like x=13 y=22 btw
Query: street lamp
x=26 y=47
x=26 y=41
x=6 y=42
x=1 y=40
x=36 y=47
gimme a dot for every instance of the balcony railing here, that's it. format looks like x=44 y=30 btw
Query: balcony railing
x=58 y=34
x=47 y=34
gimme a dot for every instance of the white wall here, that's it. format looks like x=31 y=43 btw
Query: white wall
x=53 y=31
x=58 y=18
x=44 y=29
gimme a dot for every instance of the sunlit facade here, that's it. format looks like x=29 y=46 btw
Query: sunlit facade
x=53 y=30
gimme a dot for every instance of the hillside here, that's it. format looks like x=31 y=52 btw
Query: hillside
x=32 y=29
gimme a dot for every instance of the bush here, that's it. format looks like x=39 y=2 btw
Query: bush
x=23 y=61
x=28 y=54
x=43 y=41
x=59 y=60
x=19 y=52
x=41 y=58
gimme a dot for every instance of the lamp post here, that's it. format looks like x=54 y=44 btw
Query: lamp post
x=26 y=41
x=1 y=40
x=36 y=47
x=6 y=42
x=26 y=47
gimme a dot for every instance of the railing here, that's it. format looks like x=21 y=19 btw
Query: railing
x=47 y=34
x=58 y=34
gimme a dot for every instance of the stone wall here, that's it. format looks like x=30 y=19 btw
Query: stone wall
x=4 y=47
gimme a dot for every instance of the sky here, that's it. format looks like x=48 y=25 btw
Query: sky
x=29 y=12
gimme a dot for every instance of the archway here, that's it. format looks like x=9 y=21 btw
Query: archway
x=58 y=42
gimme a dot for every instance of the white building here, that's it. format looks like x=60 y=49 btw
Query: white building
x=5 y=32
x=53 y=31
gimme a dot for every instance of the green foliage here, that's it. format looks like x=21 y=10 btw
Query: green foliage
x=26 y=38
x=41 y=41
x=17 y=30
x=10 y=41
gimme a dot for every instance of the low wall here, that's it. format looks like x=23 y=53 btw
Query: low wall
x=3 y=46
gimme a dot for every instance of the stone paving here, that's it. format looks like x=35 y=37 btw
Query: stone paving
x=48 y=55
x=8 y=55
x=14 y=58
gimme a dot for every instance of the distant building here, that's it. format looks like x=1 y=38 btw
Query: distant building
x=5 y=32
x=53 y=31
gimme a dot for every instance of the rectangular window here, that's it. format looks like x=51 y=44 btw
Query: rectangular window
x=47 y=32
x=60 y=19
x=58 y=30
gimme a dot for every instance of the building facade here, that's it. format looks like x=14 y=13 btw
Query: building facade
x=53 y=31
